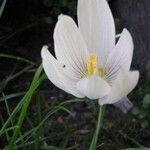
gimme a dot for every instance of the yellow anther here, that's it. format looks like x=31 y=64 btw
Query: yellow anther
x=93 y=68
x=91 y=63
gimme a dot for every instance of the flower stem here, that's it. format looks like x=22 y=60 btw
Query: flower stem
x=98 y=127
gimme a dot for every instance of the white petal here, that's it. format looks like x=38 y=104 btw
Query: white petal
x=55 y=72
x=121 y=56
x=124 y=104
x=70 y=47
x=122 y=86
x=97 y=26
x=93 y=87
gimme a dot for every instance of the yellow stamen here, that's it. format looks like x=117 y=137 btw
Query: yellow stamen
x=93 y=68
x=91 y=64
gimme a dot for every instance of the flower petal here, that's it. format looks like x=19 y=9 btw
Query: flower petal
x=93 y=87
x=124 y=105
x=122 y=86
x=55 y=72
x=121 y=56
x=97 y=26
x=70 y=48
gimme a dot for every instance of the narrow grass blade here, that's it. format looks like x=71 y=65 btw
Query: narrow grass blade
x=48 y=114
x=2 y=7
x=15 y=111
x=135 y=149
x=27 y=99
x=17 y=58
x=11 y=96
x=4 y=83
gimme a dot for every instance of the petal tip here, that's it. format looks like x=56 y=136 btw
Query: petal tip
x=44 y=51
x=60 y=16
x=127 y=33
x=137 y=75
x=125 y=30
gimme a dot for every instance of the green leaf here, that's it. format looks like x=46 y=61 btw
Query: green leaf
x=146 y=101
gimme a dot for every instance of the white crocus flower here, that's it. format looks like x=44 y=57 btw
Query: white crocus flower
x=89 y=63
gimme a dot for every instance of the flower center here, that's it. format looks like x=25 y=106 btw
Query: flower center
x=93 y=68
